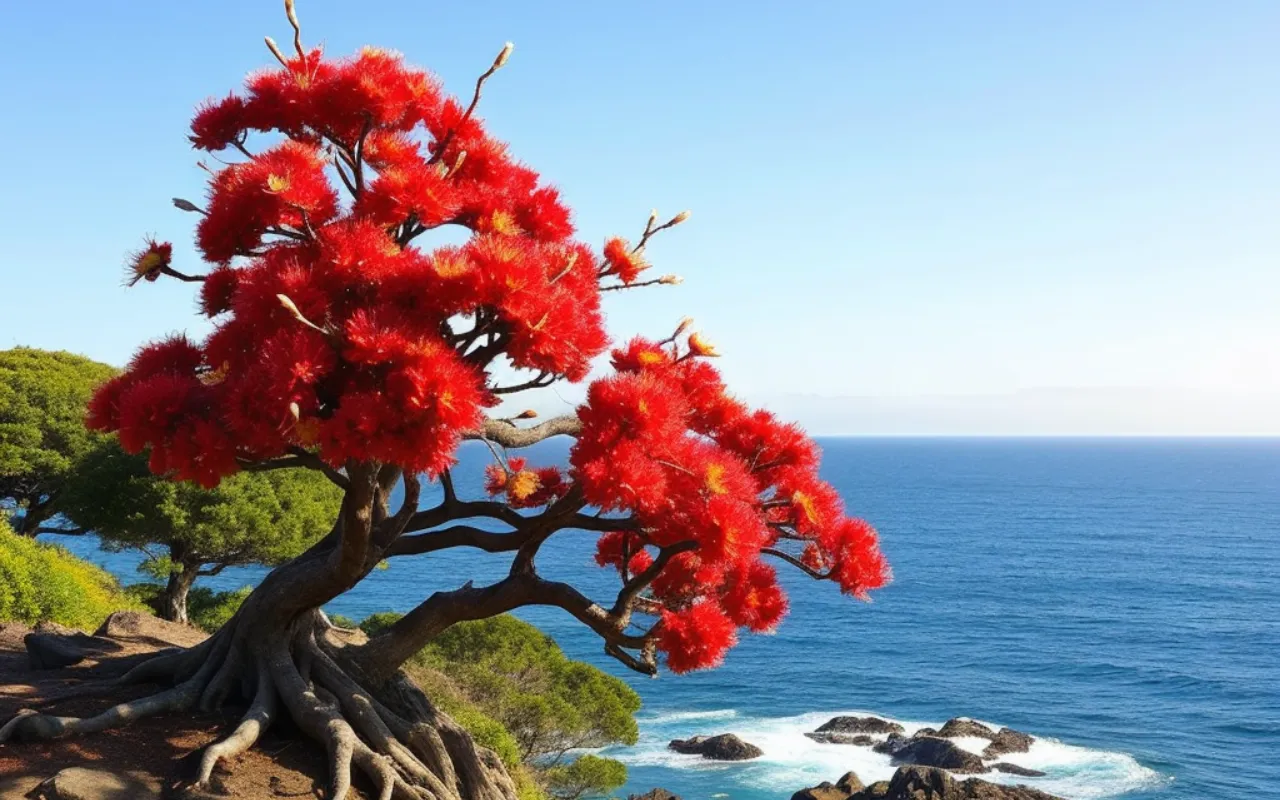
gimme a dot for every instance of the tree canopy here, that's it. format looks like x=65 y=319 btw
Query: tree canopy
x=43 y=396
x=250 y=518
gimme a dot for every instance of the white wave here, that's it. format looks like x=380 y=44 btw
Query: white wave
x=792 y=761
x=687 y=716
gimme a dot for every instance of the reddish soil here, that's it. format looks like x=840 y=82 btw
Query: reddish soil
x=166 y=747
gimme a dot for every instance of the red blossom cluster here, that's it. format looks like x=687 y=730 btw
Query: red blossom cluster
x=664 y=441
x=333 y=330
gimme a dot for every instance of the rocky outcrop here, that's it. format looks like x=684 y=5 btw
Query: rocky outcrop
x=725 y=747
x=842 y=789
x=78 y=783
x=1014 y=769
x=930 y=783
x=654 y=794
x=859 y=725
x=931 y=751
x=842 y=738
x=962 y=726
x=133 y=626
x=1007 y=740
x=823 y=791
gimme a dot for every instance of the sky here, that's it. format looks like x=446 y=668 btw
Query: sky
x=907 y=218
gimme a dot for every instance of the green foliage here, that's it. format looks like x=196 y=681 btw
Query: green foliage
x=42 y=435
x=249 y=518
x=211 y=610
x=43 y=582
x=585 y=776
x=207 y=609
x=548 y=704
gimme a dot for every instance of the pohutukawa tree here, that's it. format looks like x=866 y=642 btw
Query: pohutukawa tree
x=345 y=343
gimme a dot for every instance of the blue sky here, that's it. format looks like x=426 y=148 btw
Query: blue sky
x=907 y=217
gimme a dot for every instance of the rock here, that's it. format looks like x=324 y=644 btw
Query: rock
x=930 y=751
x=655 y=794
x=850 y=782
x=891 y=745
x=927 y=732
x=725 y=747
x=860 y=725
x=138 y=627
x=51 y=651
x=57 y=629
x=78 y=783
x=931 y=783
x=962 y=726
x=823 y=791
x=1014 y=769
x=1007 y=740
x=842 y=738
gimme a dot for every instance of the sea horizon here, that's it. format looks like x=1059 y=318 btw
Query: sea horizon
x=1111 y=601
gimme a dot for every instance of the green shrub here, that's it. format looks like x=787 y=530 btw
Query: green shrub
x=41 y=582
x=516 y=691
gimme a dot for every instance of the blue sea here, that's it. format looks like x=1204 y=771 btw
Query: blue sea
x=1117 y=598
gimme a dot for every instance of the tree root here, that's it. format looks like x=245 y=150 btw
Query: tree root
x=390 y=733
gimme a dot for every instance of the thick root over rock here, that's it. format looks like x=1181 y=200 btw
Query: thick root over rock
x=387 y=730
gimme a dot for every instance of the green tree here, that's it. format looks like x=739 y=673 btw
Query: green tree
x=251 y=518
x=42 y=434
x=550 y=704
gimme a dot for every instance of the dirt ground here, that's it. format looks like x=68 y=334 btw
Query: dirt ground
x=164 y=748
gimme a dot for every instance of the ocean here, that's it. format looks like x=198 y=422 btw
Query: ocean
x=1117 y=598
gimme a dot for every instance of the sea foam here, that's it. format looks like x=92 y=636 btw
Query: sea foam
x=792 y=761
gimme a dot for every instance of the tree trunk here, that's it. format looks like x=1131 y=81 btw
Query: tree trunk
x=173 y=606
x=282 y=655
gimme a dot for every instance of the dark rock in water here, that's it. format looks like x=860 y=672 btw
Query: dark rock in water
x=1007 y=740
x=1014 y=769
x=927 y=732
x=655 y=794
x=860 y=725
x=930 y=751
x=850 y=782
x=875 y=791
x=823 y=791
x=840 y=790
x=842 y=738
x=960 y=726
x=931 y=783
x=891 y=745
x=725 y=747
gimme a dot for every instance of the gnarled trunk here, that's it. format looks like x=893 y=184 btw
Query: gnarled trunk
x=281 y=654
x=173 y=605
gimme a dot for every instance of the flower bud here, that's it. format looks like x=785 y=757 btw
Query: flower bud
x=701 y=347
x=528 y=413
x=683 y=326
x=678 y=218
x=185 y=205
x=671 y=280
x=503 y=56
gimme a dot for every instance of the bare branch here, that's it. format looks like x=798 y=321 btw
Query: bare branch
x=797 y=563
x=508 y=435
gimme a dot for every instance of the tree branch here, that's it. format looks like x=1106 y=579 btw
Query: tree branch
x=795 y=562
x=508 y=435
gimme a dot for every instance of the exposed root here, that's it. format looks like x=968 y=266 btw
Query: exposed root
x=256 y=720
x=389 y=732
